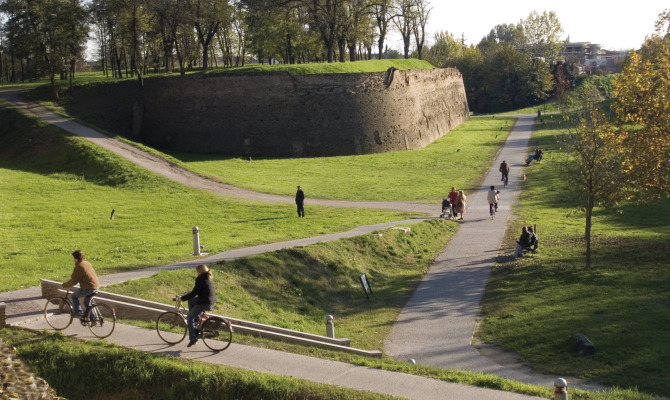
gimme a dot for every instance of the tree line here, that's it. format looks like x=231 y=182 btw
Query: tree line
x=45 y=37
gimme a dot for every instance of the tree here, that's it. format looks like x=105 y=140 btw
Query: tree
x=50 y=32
x=404 y=21
x=445 y=50
x=382 y=11
x=542 y=34
x=419 y=27
x=592 y=168
x=643 y=111
x=206 y=16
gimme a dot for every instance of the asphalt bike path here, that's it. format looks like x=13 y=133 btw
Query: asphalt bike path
x=448 y=346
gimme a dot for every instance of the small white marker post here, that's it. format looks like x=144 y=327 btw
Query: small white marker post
x=196 y=241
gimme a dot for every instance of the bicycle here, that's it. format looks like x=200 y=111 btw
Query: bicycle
x=100 y=318
x=493 y=207
x=216 y=332
x=505 y=178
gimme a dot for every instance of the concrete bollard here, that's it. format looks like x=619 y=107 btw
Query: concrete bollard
x=3 y=315
x=196 y=241
x=330 y=327
x=561 y=389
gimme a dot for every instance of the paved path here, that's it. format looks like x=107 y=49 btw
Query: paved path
x=437 y=324
x=435 y=328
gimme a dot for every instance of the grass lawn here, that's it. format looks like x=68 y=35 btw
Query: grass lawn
x=58 y=192
x=296 y=288
x=457 y=159
x=533 y=305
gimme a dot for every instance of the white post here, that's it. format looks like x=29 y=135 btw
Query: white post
x=196 y=241
x=330 y=327
x=561 y=389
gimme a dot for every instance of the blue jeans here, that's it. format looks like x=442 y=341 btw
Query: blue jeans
x=194 y=311
x=85 y=293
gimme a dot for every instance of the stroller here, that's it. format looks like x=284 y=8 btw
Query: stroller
x=446 y=209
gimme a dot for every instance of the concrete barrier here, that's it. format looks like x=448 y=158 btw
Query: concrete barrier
x=134 y=308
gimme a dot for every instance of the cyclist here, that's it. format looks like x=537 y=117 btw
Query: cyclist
x=493 y=197
x=504 y=170
x=200 y=299
x=84 y=275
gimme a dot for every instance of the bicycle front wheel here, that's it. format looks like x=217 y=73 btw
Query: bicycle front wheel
x=58 y=313
x=171 y=327
x=217 y=333
x=102 y=320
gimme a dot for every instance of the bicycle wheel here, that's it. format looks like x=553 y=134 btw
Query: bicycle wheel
x=102 y=320
x=171 y=327
x=58 y=313
x=217 y=333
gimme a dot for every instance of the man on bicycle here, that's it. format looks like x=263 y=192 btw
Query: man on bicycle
x=200 y=299
x=504 y=170
x=84 y=275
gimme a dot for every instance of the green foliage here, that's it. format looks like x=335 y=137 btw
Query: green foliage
x=643 y=112
x=58 y=192
x=457 y=159
x=295 y=288
x=96 y=370
x=604 y=84
x=534 y=304
x=503 y=79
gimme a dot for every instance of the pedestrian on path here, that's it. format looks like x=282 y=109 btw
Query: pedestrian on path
x=200 y=299
x=493 y=197
x=84 y=275
x=453 y=196
x=461 y=203
x=300 y=202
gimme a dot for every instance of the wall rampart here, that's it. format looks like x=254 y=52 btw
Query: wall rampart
x=278 y=114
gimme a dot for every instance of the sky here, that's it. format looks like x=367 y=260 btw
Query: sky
x=616 y=25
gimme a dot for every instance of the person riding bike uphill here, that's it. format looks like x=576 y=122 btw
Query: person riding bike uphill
x=493 y=197
x=504 y=170
x=200 y=299
x=84 y=275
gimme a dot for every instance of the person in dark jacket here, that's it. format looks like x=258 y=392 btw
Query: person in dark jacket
x=200 y=299
x=300 y=202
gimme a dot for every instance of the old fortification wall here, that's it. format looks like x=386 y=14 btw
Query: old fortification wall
x=278 y=114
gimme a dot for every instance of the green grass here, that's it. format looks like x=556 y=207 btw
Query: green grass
x=621 y=304
x=457 y=159
x=294 y=69
x=119 y=373
x=58 y=192
x=333 y=68
x=296 y=288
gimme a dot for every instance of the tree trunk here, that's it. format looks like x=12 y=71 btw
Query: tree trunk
x=587 y=229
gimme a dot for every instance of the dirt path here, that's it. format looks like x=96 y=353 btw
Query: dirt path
x=162 y=167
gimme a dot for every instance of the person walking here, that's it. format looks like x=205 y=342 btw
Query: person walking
x=453 y=196
x=84 y=275
x=461 y=203
x=200 y=299
x=504 y=170
x=300 y=201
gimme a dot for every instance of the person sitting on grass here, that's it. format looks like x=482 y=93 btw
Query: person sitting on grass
x=524 y=242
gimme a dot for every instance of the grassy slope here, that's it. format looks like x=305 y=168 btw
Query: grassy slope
x=621 y=304
x=120 y=373
x=296 y=288
x=457 y=159
x=58 y=192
